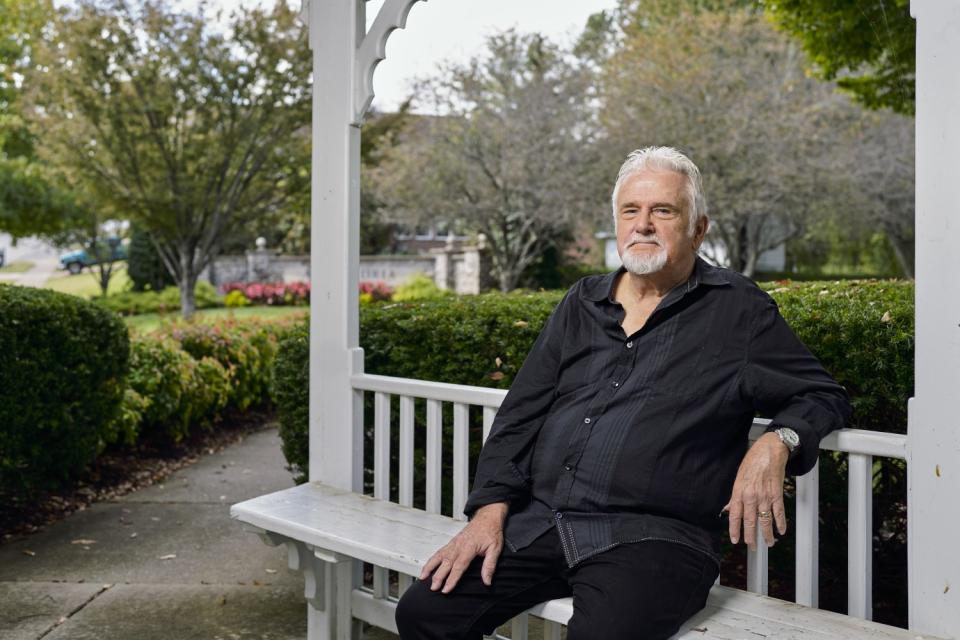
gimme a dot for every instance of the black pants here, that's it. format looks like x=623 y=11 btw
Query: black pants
x=638 y=591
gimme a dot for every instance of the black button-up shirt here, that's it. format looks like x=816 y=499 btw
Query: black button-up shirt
x=614 y=438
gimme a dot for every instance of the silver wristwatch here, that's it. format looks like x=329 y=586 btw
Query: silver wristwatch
x=788 y=437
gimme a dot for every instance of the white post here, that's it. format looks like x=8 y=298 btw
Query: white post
x=336 y=28
x=933 y=445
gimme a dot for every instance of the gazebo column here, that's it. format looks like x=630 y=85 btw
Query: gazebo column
x=934 y=418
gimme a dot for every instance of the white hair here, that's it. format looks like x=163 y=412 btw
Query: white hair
x=665 y=159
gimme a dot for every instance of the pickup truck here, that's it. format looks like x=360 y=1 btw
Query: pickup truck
x=75 y=261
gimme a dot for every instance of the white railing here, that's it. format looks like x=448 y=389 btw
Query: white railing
x=860 y=445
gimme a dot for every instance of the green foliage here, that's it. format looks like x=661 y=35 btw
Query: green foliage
x=235 y=299
x=144 y=266
x=62 y=366
x=862 y=331
x=869 y=47
x=190 y=133
x=292 y=397
x=131 y=303
x=245 y=349
x=419 y=287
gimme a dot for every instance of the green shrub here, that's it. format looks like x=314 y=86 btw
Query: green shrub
x=292 y=397
x=235 y=299
x=246 y=349
x=862 y=331
x=144 y=265
x=418 y=287
x=163 y=374
x=131 y=303
x=62 y=365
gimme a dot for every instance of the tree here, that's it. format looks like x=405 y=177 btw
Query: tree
x=729 y=90
x=869 y=48
x=186 y=129
x=29 y=203
x=144 y=266
x=509 y=155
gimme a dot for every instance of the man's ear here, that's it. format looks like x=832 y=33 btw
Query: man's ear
x=700 y=231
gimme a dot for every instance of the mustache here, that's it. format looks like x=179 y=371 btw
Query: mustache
x=637 y=239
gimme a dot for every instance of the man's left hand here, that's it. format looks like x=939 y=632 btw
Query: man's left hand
x=759 y=489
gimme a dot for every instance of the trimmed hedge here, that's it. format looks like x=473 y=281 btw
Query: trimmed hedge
x=131 y=303
x=62 y=367
x=862 y=332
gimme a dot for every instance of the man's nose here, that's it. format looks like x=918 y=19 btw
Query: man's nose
x=642 y=222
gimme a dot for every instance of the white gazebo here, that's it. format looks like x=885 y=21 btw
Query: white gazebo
x=345 y=56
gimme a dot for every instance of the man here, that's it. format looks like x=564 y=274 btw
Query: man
x=623 y=439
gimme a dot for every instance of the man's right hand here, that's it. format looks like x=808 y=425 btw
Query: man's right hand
x=483 y=536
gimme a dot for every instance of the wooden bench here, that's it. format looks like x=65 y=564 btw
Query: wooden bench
x=325 y=529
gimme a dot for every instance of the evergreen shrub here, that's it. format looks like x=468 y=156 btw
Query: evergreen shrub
x=62 y=367
x=132 y=303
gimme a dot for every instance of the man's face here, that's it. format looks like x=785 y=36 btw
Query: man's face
x=653 y=222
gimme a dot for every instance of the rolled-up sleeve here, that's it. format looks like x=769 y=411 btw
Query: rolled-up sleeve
x=503 y=469
x=787 y=384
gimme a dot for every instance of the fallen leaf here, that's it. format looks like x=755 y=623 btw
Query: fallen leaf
x=222 y=601
x=27 y=552
x=256 y=583
x=498 y=361
x=169 y=556
x=520 y=323
x=886 y=317
x=497 y=375
x=271 y=570
x=83 y=541
x=155 y=519
x=133 y=535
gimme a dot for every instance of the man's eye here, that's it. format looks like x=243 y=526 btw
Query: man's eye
x=664 y=213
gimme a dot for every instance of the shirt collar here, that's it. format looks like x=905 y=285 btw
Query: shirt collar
x=703 y=273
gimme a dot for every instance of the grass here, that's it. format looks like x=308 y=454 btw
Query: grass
x=149 y=322
x=20 y=266
x=85 y=285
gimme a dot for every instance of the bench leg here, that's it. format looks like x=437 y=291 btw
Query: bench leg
x=329 y=614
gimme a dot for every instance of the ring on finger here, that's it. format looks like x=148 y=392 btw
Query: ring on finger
x=764 y=514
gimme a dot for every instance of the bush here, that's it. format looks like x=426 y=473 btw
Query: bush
x=270 y=293
x=62 y=367
x=292 y=396
x=132 y=303
x=862 y=331
x=144 y=266
x=419 y=287
x=235 y=299
x=245 y=349
x=375 y=291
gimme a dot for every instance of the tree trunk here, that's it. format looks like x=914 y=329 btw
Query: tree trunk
x=188 y=284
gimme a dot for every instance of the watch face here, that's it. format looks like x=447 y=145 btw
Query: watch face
x=790 y=437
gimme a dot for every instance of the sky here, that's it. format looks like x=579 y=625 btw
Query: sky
x=453 y=31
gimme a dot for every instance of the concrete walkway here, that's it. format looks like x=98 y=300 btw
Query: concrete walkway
x=163 y=562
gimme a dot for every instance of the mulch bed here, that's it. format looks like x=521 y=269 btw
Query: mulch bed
x=118 y=472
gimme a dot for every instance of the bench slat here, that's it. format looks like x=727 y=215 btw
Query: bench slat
x=401 y=538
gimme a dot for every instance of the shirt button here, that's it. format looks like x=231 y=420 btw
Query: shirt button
x=616 y=384
x=586 y=420
x=630 y=345
x=567 y=467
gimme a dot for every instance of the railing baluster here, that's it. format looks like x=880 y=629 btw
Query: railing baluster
x=807 y=527
x=381 y=475
x=461 y=458
x=519 y=627
x=406 y=469
x=489 y=413
x=551 y=630
x=757 y=573
x=434 y=452
x=860 y=536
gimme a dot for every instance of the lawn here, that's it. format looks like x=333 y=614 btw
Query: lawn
x=85 y=285
x=20 y=266
x=149 y=322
